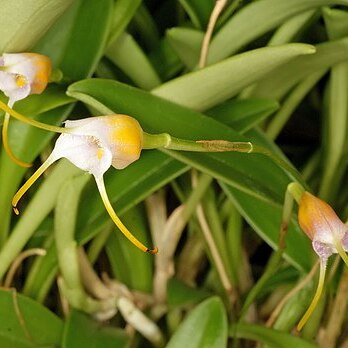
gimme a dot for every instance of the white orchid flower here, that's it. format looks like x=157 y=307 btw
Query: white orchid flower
x=21 y=74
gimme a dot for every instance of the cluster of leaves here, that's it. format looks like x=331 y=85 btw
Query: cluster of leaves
x=212 y=281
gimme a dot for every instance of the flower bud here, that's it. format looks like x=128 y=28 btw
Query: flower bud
x=321 y=224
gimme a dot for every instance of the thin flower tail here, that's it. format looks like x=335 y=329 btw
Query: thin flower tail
x=50 y=160
x=316 y=297
x=32 y=122
x=5 y=142
x=101 y=187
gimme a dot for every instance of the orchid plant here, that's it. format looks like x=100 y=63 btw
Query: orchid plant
x=95 y=144
x=329 y=235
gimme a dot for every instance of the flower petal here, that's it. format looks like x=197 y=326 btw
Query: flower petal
x=85 y=152
x=14 y=86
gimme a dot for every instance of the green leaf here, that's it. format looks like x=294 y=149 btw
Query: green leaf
x=204 y=327
x=282 y=79
x=25 y=323
x=243 y=114
x=129 y=57
x=82 y=331
x=23 y=22
x=272 y=338
x=186 y=43
x=87 y=39
x=266 y=15
x=291 y=29
x=335 y=130
x=207 y=87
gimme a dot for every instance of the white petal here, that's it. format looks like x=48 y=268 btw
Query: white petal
x=9 y=86
x=20 y=64
x=84 y=152
x=106 y=129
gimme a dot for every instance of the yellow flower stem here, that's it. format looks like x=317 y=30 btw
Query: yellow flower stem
x=316 y=297
x=30 y=182
x=31 y=122
x=7 y=146
x=5 y=142
x=117 y=221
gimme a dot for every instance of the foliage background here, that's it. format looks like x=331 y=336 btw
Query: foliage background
x=276 y=75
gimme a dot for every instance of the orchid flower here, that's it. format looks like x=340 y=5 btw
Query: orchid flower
x=95 y=144
x=329 y=235
x=21 y=74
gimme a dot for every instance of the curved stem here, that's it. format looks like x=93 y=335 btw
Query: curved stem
x=316 y=297
x=117 y=221
x=31 y=181
x=31 y=122
x=7 y=146
x=5 y=142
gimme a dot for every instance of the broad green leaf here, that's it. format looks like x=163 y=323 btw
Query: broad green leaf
x=186 y=43
x=266 y=15
x=25 y=323
x=282 y=79
x=129 y=57
x=82 y=331
x=204 y=327
x=23 y=22
x=243 y=114
x=272 y=338
x=214 y=84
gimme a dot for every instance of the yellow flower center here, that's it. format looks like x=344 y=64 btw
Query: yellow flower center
x=21 y=81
